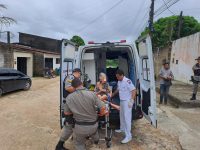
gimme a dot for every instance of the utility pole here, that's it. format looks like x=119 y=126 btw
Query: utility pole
x=151 y=16
x=8 y=37
x=180 y=24
x=170 y=31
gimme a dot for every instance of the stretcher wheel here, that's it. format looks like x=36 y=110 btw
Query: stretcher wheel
x=108 y=144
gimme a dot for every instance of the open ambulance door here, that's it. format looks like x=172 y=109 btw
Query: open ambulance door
x=147 y=80
x=68 y=51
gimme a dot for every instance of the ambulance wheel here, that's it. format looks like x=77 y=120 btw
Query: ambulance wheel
x=108 y=144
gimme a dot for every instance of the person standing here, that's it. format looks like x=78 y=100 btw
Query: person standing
x=127 y=95
x=66 y=131
x=196 y=78
x=83 y=104
x=166 y=76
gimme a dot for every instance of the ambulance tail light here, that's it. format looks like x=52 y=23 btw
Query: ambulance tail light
x=123 y=41
x=91 y=42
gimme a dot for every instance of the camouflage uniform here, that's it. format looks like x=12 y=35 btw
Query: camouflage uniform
x=83 y=104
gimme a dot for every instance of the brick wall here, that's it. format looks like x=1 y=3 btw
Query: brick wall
x=6 y=56
x=38 y=64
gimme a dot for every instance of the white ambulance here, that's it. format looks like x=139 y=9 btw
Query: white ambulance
x=94 y=58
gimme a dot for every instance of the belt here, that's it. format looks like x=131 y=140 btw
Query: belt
x=85 y=123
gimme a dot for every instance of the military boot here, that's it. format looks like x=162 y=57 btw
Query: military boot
x=193 y=97
x=60 y=146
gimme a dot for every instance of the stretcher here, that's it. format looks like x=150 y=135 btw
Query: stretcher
x=104 y=123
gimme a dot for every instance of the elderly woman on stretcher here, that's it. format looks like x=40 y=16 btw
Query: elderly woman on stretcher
x=102 y=88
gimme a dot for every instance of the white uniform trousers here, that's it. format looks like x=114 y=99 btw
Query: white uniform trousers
x=125 y=118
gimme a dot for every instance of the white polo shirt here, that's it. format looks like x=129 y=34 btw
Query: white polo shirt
x=125 y=88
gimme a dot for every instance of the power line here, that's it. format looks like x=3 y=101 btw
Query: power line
x=162 y=7
x=137 y=14
x=132 y=21
x=160 y=11
x=97 y=18
x=168 y=7
x=143 y=24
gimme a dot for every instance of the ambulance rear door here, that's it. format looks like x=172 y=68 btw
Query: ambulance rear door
x=68 y=54
x=147 y=80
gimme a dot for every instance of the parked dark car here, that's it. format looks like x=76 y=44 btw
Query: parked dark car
x=12 y=80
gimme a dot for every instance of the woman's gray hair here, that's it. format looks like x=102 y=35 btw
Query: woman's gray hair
x=103 y=75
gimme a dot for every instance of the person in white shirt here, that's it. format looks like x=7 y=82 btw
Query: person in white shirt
x=127 y=95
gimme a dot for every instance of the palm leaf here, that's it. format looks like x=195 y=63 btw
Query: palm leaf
x=6 y=20
x=3 y=6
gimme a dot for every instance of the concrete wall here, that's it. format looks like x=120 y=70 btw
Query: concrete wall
x=29 y=57
x=6 y=56
x=159 y=55
x=54 y=59
x=184 y=53
x=38 y=64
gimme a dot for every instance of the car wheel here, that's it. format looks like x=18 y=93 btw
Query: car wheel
x=27 y=85
x=1 y=92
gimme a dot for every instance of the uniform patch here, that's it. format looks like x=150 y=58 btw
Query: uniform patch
x=69 y=81
x=129 y=81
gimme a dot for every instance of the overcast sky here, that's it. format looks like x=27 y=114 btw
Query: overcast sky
x=91 y=19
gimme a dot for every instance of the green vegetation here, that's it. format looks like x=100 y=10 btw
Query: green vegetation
x=114 y=63
x=166 y=29
x=78 y=40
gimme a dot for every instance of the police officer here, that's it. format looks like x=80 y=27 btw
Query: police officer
x=83 y=105
x=67 y=128
x=76 y=73
x=196 y=78
x=127 y=95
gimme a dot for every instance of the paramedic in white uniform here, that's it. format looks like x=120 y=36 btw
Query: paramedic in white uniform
x=127 y=95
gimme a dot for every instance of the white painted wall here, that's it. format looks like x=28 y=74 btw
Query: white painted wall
x=54 y=59
x=90 y=69
x=89 y=66
x=29 y=57
x=185 y=50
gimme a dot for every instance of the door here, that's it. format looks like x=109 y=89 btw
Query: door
x=49 y=63
x=147 y=80
x=22 y=64
x=8 y=83
x=67 y=64
x=20 y=81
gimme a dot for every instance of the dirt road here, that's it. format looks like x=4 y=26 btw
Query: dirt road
x=30 y=121
x=185 y=123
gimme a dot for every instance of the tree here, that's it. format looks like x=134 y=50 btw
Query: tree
x=166 y=29
x=5 y=20
x=78 y=40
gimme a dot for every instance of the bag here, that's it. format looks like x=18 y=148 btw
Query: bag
x=168 y=82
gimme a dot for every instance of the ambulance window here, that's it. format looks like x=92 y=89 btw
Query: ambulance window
x=112 y=63
x=145 y=69
x=148 y=70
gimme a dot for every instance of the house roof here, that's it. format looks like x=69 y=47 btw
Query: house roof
x=27 y=48
x=30 y=49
